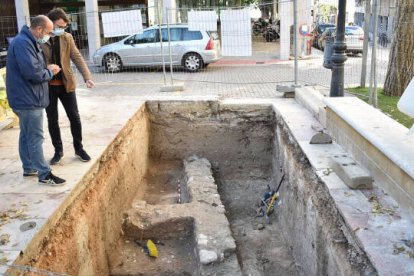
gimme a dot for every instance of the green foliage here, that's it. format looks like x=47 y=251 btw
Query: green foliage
x=387 y=104
x=325 y=10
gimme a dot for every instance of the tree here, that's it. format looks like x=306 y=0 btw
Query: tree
x=326 y=10
x=400 y=69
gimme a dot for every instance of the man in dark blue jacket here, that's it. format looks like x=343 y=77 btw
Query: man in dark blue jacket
x=27 y=79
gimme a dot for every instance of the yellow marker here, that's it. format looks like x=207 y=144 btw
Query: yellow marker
x=153 y=252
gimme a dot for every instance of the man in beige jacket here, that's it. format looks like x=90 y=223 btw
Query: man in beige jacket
x=60 y=50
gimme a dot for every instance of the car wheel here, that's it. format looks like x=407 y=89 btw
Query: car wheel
x=112 y=63
x=193 y=62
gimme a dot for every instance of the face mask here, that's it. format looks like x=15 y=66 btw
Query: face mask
x=43 y=39
x=58 y=31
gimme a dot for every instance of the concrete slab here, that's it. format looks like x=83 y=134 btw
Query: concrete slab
x=19 y=238
x=320 y=153
x=351 y=172
x=6 y=257
x=389 y=263
x=35 y=205
x=382 y=131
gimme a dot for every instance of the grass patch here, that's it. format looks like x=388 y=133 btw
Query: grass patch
x=387 y=104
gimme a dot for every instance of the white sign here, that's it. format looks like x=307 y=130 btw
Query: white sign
x=255 y=12
x=236 y=36
x=122 y=23
x=202 y=20
x=74 y=26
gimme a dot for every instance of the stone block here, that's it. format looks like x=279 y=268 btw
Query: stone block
x=172 y=88
x=321 y=138
x=285 y=88
x=207 y=256
x=348 y=170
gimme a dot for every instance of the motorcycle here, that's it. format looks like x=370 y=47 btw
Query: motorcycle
x=272 y=32
x=259 y=26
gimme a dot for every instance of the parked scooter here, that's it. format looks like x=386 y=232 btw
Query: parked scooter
x=272 y=32
x=259 y=26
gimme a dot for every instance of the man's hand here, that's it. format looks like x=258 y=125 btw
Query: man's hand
x=54 y=68
x=90 y=84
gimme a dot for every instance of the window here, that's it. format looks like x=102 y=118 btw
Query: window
x=146 y=37
x=354 y=31
x=175 y=34
x=191 y=35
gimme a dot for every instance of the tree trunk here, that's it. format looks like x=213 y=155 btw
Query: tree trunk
x=400 y=69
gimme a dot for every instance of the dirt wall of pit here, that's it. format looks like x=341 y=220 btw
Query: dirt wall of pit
x=81 y=235
x=309 y=220
x=236 y=139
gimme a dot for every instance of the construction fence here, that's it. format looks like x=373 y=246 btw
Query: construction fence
x=243 y=48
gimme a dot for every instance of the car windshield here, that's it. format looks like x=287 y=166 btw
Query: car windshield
x=354 y=31
x=329 y=31
x=323 y=27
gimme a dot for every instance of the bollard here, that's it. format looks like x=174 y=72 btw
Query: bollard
x=328 y=51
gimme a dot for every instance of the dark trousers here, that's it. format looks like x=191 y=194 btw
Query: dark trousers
x=69 y=102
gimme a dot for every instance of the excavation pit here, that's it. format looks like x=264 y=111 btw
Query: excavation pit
x=188 y=175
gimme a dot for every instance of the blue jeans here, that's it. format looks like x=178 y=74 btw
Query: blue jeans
x=31 y=142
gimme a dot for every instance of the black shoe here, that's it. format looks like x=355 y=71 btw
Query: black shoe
x=56 y=158
x=83 y=156
x=52 y=180
x=32 y=173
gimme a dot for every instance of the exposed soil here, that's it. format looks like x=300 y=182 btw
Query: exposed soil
x=176 y=256
x=260 y=252
x=163 y=182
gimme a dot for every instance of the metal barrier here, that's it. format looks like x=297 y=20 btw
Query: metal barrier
x=266 y=64
x=261 y=66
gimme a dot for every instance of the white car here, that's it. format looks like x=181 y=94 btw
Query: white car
x=354 y=39
x=191 y=49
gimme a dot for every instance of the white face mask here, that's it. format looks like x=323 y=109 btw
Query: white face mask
x=43 y=39
x=58 y=31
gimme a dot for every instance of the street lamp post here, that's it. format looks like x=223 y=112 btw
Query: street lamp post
x=339 y=56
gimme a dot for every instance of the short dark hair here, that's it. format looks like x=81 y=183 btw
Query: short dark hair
x=57 y=14
x=38 y=21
